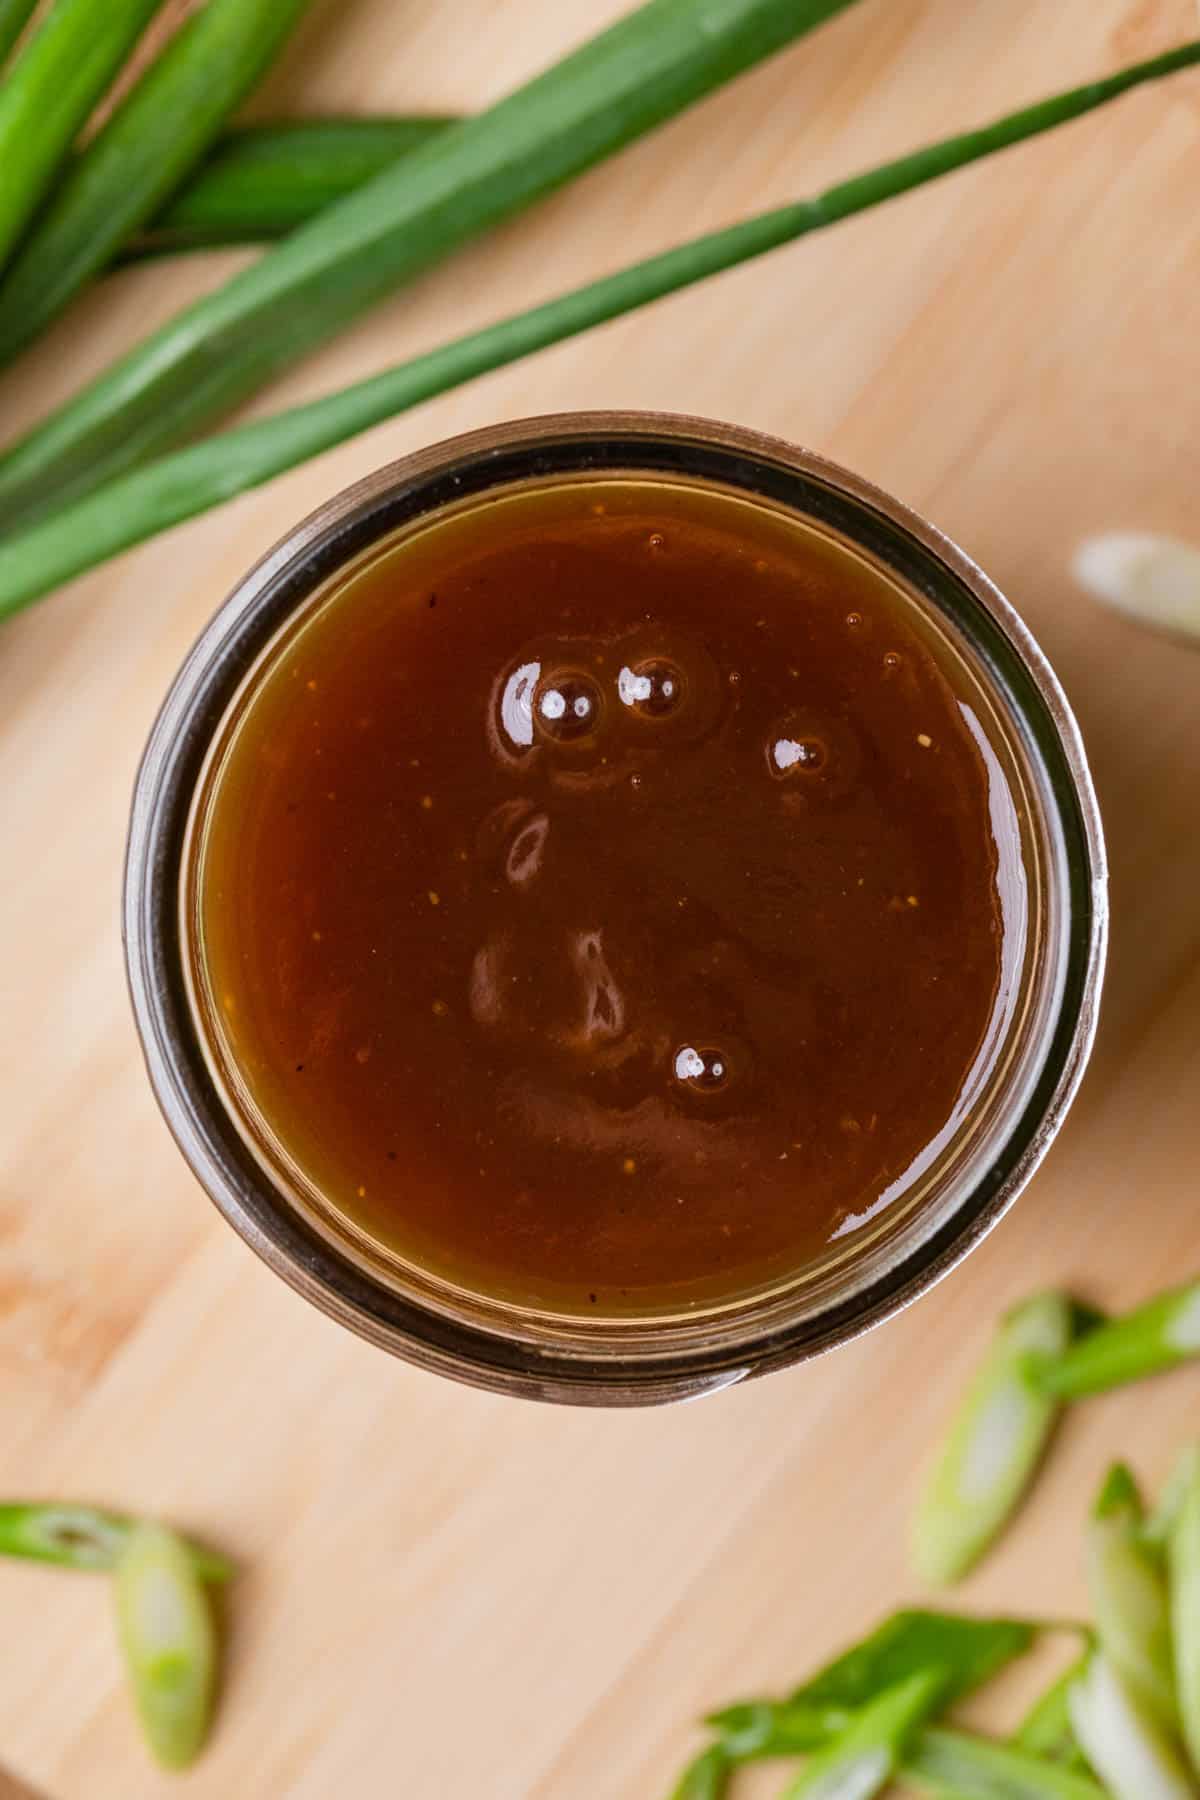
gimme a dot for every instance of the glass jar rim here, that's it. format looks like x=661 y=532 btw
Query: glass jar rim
x=622 y=1368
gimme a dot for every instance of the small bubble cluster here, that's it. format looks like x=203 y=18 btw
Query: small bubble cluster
x=653 y=690
x=796 y=756
x=566 y=706
x=703 y=1070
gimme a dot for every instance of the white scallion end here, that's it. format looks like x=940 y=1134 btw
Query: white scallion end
x=1183 y=1568
x=1155 y=580
x=1123 y=1742
x=994 y=1444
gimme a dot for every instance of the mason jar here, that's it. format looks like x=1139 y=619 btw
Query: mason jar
x=1051 y=876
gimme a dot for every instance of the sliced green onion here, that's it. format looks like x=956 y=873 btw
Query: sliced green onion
x=1164 y=1332
x=1046 y=1729
x=1155 y=580
x=169 y=1643
x=969 y=1649
x=960 y=1651
x=140 y=155
x=84 y=1537
x=261 y=181
x=962 y=1766
x=864 y=1757
x=14 y=16
x=48 y=93
x=1129 y=1595
x=1157 y=1527
x=645 y=69
x=994 y=1446
x=1124 y=1742
x=186 y=484
x=1183 y=1567
x=755 y=1728
x=705 y=1778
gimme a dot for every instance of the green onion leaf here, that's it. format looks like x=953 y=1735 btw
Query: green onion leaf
x=864 y=1757
x=969 y=1650
x=645 y=69
x=261 y=181
x=705 y=1778
x=966 y=1651
x=756 y=1728
x=1129 y=1595
x=48 y=93
x=1164 y=1332
x=1123 y=1741
x=140 y=155
x=1183 y=1567
x=84 y=1537
x=1046 y=1729
x=14 y=15
x=169 y=1643
x=1157 y=1527
x=994 y=1446
x=186 y=484
x=962 y=1766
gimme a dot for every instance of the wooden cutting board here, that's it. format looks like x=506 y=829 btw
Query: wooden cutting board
x=446 y=1594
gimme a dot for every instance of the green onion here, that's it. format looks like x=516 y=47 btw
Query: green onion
x=962 y=1766
x=1164 y=1332
x=970 y=1650
x=755 y=1728
x=864 y=1757
x=1183 y=1567
x=169 y=1643
x=83 y=1537
x=960 y=1651
x=50 y=90
x=1125 y=1744
x=644 y=70
x=1046 y=1729
x=156 y=134
x=995 y=1444
x=1129 y=1595
x=705 y=1778
x=14 y=15
x=1153 y=580
x=1157 y=1527
x=261 y=181
x=188 y=483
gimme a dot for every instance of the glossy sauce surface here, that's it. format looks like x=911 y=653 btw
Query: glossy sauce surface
x=599 y=899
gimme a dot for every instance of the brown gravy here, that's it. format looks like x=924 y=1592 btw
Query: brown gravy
x=598 y=896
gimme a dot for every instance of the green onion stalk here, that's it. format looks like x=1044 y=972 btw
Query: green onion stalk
x=151 y=140
x=183 y=485
x=258 y=182
x=647 y=68
x=14 y=16
x=1124 y=1742
x=1157 y=1336
x=994 y=1445
x=45 y=98
x=1129 y=1596
x=84 y=1537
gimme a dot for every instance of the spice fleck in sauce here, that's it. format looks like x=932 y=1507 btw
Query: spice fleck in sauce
x=599 y=896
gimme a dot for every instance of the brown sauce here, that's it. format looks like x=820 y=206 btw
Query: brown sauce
x=599 y=896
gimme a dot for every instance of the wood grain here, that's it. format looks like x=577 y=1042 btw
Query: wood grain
x=446 y=1594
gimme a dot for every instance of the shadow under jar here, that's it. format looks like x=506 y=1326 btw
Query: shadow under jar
x=614 y=905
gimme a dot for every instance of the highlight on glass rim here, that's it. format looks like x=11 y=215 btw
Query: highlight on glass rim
x=600 y=811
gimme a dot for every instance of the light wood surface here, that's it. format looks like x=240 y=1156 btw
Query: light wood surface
x=449 y=1595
